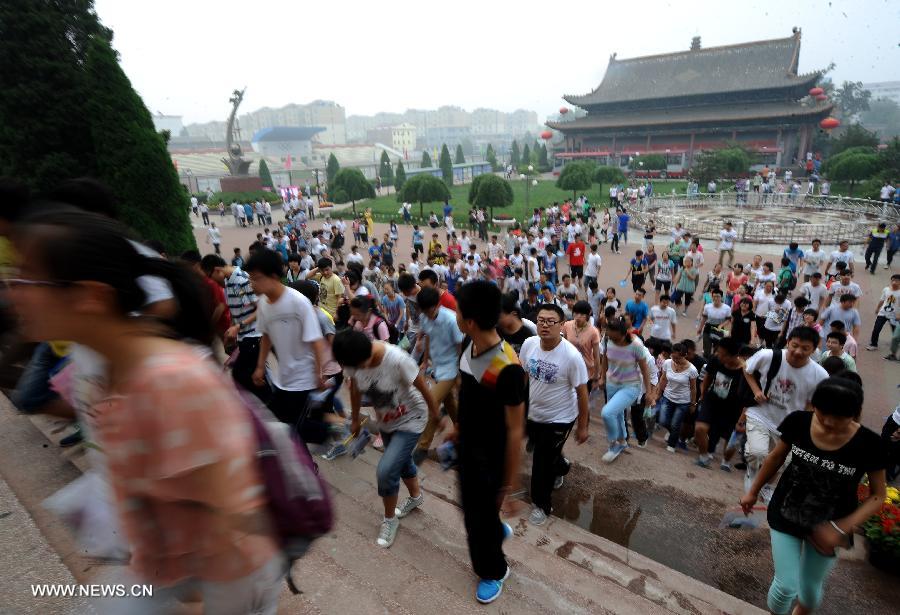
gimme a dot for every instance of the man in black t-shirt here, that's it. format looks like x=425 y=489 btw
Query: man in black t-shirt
x=510 y=326
x=490 y=430
x=720 y=408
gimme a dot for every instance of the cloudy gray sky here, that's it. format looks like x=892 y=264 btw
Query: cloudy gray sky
x=185 y=56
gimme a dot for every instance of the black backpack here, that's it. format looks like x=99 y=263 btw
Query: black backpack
x=745 y=395
x=393 y=332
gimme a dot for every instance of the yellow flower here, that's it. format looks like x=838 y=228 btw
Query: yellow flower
x=893 y=496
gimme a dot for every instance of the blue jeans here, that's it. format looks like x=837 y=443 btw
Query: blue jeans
x=33 y=389
x=619 y=397
x=396 y=462
x=800 y=573
x=671 y=416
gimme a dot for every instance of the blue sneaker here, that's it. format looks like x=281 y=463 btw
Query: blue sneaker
x=507 y=530
x=490 y=589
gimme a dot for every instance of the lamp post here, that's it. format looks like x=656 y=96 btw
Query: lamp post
x=529 y=182
x=318 y=192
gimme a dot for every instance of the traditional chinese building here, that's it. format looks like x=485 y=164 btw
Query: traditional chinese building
x=678 y=104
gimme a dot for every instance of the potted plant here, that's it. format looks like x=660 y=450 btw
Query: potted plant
x=883 y=532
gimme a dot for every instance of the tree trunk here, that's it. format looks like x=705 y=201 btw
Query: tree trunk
x=421 y=211
x=353 y=205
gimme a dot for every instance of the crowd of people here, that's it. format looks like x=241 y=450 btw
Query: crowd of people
x=495 y=347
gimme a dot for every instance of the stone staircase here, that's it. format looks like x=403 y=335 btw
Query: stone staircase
x=557 y=568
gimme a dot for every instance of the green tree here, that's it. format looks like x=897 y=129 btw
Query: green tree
x=385 y=171
x=426 y=160
x=608 y=175
x=714 y=164
x=354 y=185
x=264 y=173
x=526 y=156
x=399 y=176
x=43 y=136
x=129 y=154
x=514 y=154
x=460 y=157
x=331 y=170
x=853 y=165
x=889 y=160
x=853 y=136
x=423 y=188
x=446 y=164
x=492 y=191
x=652 y=162
x=491 y=157
x=543 y=159
x=576 y=176
x=852 y=98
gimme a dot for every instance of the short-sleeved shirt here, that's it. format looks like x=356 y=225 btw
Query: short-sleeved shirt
x=662 y=319
x=292 y=325
x=331 y=289
x=443 y=338
x=575 y=251
x=791 y=391
x=552 y=380
x=678 y=384
x=840 y=257
x=585 y=340
x=622 y=362
x=389 y=386
x=489 y=383
x=725 y=386
x=727 y=239
x=638 y=312
x=241 y=302
x=820 y=485
x=833 y=312
x=182 y=482
x=813 y=261
x=890 y=301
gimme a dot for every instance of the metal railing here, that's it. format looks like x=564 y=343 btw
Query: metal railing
x=857 y=216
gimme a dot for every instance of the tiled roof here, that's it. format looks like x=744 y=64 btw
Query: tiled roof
x=731 y=68
x=692 y=115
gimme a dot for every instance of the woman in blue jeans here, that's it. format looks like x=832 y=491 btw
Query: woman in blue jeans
x=678 y=383
x=622 y=366
x=814 y=508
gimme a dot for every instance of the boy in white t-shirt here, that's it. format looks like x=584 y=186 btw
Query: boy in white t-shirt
x=791 y=390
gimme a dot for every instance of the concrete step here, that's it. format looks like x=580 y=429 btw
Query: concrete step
x=575 y=565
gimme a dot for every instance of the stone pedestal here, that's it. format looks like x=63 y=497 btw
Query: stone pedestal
x=241 y=183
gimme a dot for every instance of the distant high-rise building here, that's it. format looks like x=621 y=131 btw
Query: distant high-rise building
x=323 y=113
x=172 y=123
x=884 y=89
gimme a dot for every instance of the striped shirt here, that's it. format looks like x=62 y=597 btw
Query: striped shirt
x=622 y=365
x=241 y=302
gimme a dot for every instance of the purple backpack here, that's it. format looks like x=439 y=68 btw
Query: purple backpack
x=298 y=499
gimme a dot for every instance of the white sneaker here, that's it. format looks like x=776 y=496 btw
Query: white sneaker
x=671 y=449
x=537 y=516
x=558 y=482
x=388 y=532
x=765 y=494
x=409 y=505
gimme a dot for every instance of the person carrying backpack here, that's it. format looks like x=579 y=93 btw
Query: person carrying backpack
x=786 y=281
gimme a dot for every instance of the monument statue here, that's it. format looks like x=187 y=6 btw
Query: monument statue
x=235 y=161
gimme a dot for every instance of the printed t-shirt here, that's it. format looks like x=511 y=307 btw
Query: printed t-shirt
x=791 y=391
x=622 y=362
x=662 y=320
x=552 y=378
x=398 y=405
x=331 y=289
x=820 y=485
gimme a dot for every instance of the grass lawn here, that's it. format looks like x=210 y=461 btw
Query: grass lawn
x=545 y=193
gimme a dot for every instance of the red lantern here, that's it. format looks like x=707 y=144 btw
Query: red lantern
x=816 y=91
x=563 y=110
x=546 y=135
x=821 y=97
x=829 y=123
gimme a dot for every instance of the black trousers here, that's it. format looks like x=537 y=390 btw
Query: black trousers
x=637 y=420
x=245 y=365
x=880 y=321
x=548 y=461
x=481 y=473
x=872 y=255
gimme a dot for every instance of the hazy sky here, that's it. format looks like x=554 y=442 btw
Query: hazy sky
x=186 y=56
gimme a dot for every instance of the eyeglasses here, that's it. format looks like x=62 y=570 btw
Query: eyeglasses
x=11 y=283
x=547 y=322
